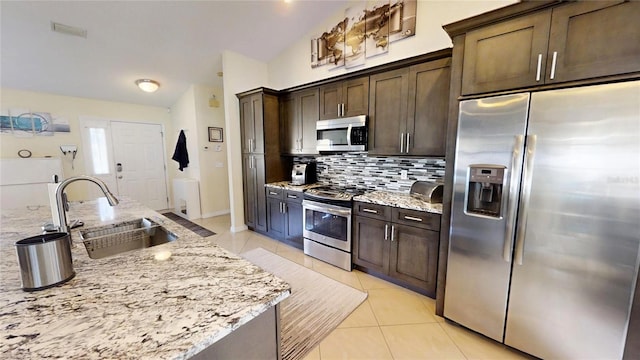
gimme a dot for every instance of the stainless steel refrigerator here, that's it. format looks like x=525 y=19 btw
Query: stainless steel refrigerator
x=545 y=220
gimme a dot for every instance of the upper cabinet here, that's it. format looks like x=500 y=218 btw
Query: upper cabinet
x=344 y=98
x=570 y=42
x=299 y=112
x=259 y=120
x=408 y=110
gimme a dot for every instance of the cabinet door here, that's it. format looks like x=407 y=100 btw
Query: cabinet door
x=594 y=38
x=247 y=124
x=414 y=256
x=355 y=97
x=388 y=111
x=506 y=55
x=330 y=98
x=293 y=229
x=275 y=218
x=261 y=199
x=289 y=125
x=428 y=107
x=249 y=187
x=309 y=114
x=370 y=248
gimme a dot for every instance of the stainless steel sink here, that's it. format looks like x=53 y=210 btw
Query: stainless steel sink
x=121 y=237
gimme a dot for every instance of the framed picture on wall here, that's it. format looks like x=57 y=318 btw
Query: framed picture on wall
x=215 y=134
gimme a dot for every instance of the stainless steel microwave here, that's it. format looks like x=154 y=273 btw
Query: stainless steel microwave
x=344 y=134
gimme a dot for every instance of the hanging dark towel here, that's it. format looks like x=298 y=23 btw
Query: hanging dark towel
x=180 y=154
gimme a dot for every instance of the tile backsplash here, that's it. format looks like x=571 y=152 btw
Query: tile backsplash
x=356 y=169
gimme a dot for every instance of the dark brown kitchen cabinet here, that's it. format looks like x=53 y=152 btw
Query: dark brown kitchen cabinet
x=400 y=244
x=260 y=141
x=414 y=256
x=370 y=244
x=344 y=98
x=299 y=112
x=255 y=215
x=570 y=42
x=284 y=216
x=408 y=110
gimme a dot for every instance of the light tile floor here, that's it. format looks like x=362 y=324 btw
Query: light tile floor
x=393 y=323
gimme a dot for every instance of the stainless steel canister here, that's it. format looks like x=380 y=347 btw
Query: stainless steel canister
x=45 y=261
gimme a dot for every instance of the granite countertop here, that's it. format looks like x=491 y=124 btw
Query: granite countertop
x=400 y=200
x=288 y=186
x=129 y=305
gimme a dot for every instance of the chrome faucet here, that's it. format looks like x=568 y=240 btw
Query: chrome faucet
x=62 y=214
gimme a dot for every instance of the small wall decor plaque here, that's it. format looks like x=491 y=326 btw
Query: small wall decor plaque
x=215 y=134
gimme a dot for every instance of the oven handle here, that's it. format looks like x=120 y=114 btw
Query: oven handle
x=327 y=208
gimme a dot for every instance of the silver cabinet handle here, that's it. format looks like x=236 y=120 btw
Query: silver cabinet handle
x=516 y=166
x=292 y=196
x=527 y=174
x=284 y=208
x=273 y=193
x=408 y=141
x=339 y=110
x=393 y=230
x=553 y=65
x=280 y=205
x=342 y=109
x=401 y=142
x=412 y=218
x=370 y=211
x=386 y=231
x=539 y=67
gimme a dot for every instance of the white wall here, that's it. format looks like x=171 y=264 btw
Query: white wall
x=192 y=114
x=70 y=108
x=240 y=74
x=183 y=117
x=293 y=66
x=214 y=178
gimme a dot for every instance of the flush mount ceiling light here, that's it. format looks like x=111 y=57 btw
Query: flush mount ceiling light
x=147 y=85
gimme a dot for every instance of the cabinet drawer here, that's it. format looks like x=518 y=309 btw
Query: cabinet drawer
x=373 y=211
x=293 y=196
x=273 y=192
x=416 y=218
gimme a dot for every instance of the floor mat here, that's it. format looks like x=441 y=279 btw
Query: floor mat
x=189 y=225
x=317 y=304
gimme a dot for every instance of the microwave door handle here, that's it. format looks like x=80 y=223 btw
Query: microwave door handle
x=349 y=130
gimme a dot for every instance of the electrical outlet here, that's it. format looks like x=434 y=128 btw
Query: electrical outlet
x=404 y=175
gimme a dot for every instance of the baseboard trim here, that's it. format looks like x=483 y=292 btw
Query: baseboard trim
x=216 y=213
x=238 y=228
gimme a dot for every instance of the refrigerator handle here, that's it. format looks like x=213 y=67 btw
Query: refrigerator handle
x=527 y=174
x=516 y=165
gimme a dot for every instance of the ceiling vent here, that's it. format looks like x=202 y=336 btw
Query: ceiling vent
x=68 y=30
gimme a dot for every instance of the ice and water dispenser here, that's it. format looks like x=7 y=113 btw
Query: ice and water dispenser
x=484 y=190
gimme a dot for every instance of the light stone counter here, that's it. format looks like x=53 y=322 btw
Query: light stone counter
x=399 y=200
x=129 y=305
x=288 y=186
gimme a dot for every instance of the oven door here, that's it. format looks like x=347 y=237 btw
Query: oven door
x=327 y=224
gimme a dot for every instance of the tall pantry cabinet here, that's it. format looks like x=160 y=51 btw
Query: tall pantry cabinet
x=261 y=162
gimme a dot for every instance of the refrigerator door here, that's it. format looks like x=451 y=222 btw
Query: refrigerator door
x=576 y=257
x=490 y=137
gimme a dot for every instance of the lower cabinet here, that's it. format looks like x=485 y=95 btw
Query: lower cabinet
x=284 y=216
x=398 y=244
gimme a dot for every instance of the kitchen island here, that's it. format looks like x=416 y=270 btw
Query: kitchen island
x=135 y=304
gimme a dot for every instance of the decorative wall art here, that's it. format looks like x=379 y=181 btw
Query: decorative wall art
x=215 y=134
x=366 y=30
x=355 y=35
x=377 y=28
x=24 y=123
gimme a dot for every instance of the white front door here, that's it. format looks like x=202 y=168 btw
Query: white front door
x=129 y=158
x=138 y=153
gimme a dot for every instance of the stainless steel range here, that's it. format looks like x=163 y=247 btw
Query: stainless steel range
x=327 y=224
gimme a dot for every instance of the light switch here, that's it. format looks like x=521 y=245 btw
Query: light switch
x=404 y=175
